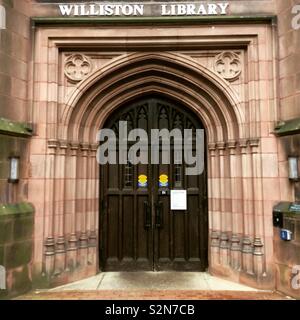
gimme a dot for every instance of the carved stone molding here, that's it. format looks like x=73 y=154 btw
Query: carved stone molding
x=83 y=240
x=221 y=146
x=212 y=149
x=72 y=242
x=258 y=247
x=53 y=145
x=85 y=148
x=74 y=146
x=228 y=65
x=243 y=143
x=224 y=241
x=254 y=144
x=247 y=245
x=60 y=245
x=93 y=239
x=63 y=145
x=94 y=147
x=50 y=246
x=232 y=145
x=215 y=239
x=235 y=243
x=77 y=67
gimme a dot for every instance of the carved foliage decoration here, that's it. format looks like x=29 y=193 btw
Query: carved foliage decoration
x=228 y=65
x=77 y=67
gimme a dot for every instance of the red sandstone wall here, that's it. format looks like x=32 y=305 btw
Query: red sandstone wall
x=289 y=66
x=14 y=57
x=15 y=51
x=287 y=253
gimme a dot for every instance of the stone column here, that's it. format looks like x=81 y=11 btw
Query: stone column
x=235 y=173
x=83 y=239
x=247 y=196
x=49 y=208
x=214 y=216
x=72 y=243
x=258 y=259
x=60 y=252
x=224 y=245
x=93 y=166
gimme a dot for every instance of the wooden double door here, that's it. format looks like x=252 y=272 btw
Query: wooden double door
x=138 y=229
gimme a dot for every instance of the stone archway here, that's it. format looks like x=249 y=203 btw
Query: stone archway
x=234 y=163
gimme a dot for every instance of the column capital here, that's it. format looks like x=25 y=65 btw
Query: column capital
x=74 y=146
x=53 y=145
x=221 y=146
x=212 y=148
x=85 y=148
x=63 y=146
x=243 y=144
x=232 y=145
x=254 y=144
x=94 y=148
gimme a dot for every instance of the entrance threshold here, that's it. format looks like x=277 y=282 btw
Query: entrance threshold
x=154 y=281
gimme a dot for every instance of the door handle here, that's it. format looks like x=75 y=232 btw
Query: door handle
x=147 y=213
x=158 y=215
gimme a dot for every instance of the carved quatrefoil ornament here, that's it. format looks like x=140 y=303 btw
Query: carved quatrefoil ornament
x=77 y=67
x=228 y=65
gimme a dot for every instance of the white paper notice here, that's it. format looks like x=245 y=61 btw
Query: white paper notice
x=178 y=200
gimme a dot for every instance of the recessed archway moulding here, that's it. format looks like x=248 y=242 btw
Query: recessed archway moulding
x=225 y=76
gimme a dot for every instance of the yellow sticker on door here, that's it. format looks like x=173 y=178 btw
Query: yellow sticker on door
x=163 y=181
x=143 y=181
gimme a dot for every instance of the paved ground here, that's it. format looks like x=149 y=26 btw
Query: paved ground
x=153 y=295
x=154 y=281
x=153 y=286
